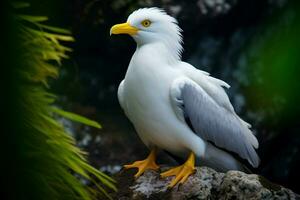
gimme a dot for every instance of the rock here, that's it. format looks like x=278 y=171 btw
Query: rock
x=206 y=183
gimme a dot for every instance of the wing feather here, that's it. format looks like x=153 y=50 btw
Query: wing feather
x=213 y=122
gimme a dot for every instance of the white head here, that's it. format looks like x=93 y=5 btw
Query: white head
x=152 y=25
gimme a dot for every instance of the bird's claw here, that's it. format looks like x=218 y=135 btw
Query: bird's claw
x=181 y=172
x=143 y=165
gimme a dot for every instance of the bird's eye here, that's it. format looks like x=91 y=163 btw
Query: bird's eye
x=146 y=23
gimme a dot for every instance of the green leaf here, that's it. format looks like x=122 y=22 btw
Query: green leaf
x=18 y=5
x=55 y=29
x=77 y=118
x=33 y=18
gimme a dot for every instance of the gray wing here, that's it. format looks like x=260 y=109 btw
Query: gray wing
x=213 y=122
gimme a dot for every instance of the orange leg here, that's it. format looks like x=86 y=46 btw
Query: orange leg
x=181 y=172
x=143 y=165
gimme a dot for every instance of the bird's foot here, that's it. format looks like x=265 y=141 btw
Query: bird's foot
x=181 y=172
x=143 y=165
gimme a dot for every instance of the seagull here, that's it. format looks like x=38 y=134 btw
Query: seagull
x=176 y=107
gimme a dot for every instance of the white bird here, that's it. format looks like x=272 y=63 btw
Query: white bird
x=176 y=107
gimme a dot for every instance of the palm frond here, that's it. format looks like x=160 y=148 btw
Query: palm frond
x=50 y=158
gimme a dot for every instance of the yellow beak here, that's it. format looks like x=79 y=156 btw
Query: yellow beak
x=124 y=28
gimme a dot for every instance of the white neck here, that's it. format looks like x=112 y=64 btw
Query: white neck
x=159 y=51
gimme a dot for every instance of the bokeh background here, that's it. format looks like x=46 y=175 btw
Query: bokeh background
x=251 y=44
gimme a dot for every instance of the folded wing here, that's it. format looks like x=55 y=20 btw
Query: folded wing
x=212 y=121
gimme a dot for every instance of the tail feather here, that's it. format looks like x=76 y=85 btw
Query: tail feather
x=221 y=160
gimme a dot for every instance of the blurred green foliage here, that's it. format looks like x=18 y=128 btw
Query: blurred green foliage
x=280 y=58
x=47 y=164
x=276 y=64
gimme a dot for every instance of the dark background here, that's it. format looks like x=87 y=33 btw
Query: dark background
x=251 y=44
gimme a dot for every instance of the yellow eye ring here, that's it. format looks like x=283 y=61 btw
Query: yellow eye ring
x=146 y=23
